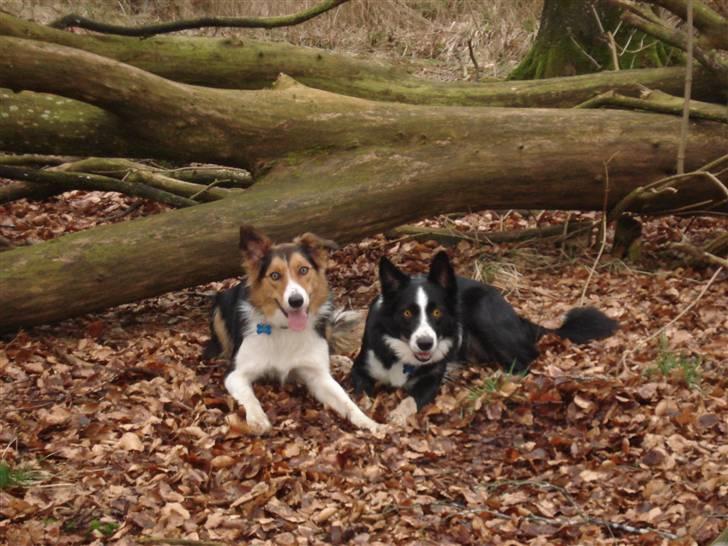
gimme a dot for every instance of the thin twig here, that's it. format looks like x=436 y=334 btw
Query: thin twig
x=74 y=20
x=688 y=87
x=203 y=190
x=584 y=520
x=584 y=51
x=603 y=229
x=179 y=541
x=610 y=37
x=472 y=58
x=688 y=308
x=692 y=304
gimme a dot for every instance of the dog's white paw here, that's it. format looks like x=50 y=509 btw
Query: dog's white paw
x=402 y=412
x=258 y=422
x=360 y=420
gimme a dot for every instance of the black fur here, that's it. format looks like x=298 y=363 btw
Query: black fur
x=226 y=303
x=481 y=325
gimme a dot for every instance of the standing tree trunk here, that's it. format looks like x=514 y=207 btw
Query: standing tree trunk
x=572 y=40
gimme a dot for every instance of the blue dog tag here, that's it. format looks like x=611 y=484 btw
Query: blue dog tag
x=263 y=329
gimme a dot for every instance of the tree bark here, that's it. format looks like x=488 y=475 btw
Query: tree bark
x=248 y=64
x=572 y=39
x=343 y=167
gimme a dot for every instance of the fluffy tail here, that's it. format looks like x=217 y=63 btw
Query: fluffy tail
x=220 y=343
x=345 y=330
x=584 y=324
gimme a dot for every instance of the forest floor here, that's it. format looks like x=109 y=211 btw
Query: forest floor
x=113 y=431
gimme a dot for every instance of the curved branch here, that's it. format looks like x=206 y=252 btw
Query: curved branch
x=232 y=64
x=74 y=20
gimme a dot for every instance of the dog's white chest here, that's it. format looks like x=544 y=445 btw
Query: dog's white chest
x=281 y=351
x=394 y=376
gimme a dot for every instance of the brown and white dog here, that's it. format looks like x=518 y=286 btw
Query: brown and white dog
x=275 y=323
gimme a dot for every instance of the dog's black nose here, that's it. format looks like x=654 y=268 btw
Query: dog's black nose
x=425 y=343
x=295 y=301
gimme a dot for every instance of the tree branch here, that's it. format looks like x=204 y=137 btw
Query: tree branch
x=233 y=64
x=657 y=101
x=709 y=22
x=640 y=19
x=74 y=20
x=82 y=181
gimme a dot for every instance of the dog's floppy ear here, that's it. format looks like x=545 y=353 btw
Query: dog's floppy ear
x=390 y=278
x=253 y=245
x=441 y=272
x=316 y=247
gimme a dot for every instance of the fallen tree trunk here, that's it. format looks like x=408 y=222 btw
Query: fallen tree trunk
x=254 y=129
x=345 y=196
x=340 y=166
x=249 y=64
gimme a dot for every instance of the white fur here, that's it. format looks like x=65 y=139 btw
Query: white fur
x=404 y=354
x=394 y=376
x=285 y=354
x=294 y=288
x=423 y=329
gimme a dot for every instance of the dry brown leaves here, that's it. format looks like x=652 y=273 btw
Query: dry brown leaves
x=137 y=437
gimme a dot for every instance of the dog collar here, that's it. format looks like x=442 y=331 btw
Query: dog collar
x=262 y=328
x=408 y=369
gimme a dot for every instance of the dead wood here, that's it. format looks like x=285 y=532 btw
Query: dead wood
x=74 y=20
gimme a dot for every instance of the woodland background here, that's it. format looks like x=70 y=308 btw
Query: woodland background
x=113 y=431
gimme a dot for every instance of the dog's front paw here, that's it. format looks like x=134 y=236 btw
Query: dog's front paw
x=258 y=422
x=403 y=412
x=360 y=420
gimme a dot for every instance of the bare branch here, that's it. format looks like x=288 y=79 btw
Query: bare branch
x=74 y=20
x=709 y=22
x=84 y=181
x=688 y=88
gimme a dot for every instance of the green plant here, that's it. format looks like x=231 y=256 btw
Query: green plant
x=17 y=477
x=668 y=362
x=106 y=528
x=490 y=386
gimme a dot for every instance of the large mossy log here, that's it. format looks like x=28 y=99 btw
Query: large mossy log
x=249 y=64
x=340 y=166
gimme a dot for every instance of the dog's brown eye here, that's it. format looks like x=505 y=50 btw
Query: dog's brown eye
x=407 y=313
x=302 y=270
x=275 y=276
x=436 y=313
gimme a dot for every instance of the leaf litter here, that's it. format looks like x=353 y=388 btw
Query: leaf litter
x=133 y=437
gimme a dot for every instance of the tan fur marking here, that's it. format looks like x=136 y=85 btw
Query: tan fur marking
x=265 y=292
x=218 y=326
x=313 y=282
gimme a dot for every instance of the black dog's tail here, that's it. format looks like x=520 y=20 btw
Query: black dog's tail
x=584 y=324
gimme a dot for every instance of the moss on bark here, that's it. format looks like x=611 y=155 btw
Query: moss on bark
x=571 y=41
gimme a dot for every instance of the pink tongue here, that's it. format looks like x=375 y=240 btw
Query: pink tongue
x=297 y=320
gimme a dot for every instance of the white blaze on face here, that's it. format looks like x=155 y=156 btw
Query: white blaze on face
x=423 y=330
x=297 y=317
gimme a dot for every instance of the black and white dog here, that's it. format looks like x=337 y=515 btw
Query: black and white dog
x=420 y=324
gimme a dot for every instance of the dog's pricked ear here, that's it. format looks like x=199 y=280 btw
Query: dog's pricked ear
x=313 y=240
x=441 y=272
x=316 y=247
x=253 y=244
x=390 y=278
